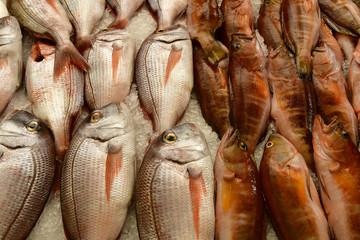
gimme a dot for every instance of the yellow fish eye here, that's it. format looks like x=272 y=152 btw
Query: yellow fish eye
x=95 y=117
x=160 y=30
x=345 y=134
x=105 y=30
x=243 y=146
x=169 y=137
x=33 y=126
x=269 y=144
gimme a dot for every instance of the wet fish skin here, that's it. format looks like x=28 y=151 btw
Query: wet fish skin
x=331 y=91
x=337 y=162
x=353 y=81
x=98 y=174
x=239 y=201
x=3 y=10
x=251 y=95
x=326 y=37
x=300 y=22
x=11 y=65
x=175 y=187
x=164 y=77
x=347 y=44
x=289 y=191
x=124 y=10
x=167 y=11
x=111 y=60
x=212 y=90
x=27 y=170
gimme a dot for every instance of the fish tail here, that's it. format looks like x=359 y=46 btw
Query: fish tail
x=119 y=23
x=304 y=66
x=64 y=55
x=83 y=43
x=213 y=49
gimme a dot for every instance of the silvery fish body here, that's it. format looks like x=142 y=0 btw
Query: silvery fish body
x=111 y=61
x=98 y=175
x=10 y=59
x=3 y=10
x=164 y=77
x=167 y=11
x=27 y=167
x=124 y=10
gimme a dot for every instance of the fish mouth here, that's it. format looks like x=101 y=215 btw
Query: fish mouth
x=327 y=129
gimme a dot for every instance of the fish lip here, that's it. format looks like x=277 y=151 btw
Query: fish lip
x=233 y=137
x=330 y=127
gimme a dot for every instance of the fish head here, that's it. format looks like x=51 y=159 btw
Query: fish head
x=111 y=34
x=280 y=58
x=324 y=61
x=9 y=30
x=271 y=6
x=243 y=43
x=170 y=34
x=278 y=150
x=234 y=149
x=42 y=50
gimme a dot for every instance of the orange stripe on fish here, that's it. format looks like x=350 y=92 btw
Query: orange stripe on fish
x=173 y=59
x=113 y=167
x=115 y=61
x=52 y=4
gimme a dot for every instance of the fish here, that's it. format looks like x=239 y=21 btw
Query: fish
x=354 y=83
x=11 y=59
x=290 y=192
x=326 y=37
x=251 y=95
x=239 y=200
x=203 y=17
x=166 y=12
x=164 y=77
x=347 y=44
x=300 y=22
x=212 y=90
x=331 y=91
x=111 y=60
x=269 y=24
x=341 y=15
x=290 y=104
x=98 y=174
x=124 y=10
x=27 y=167
x=84 y=15
x=3 y=10
x=47 y=19
x=337 y=162
x=175 y=187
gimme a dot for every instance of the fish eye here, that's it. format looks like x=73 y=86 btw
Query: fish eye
x=169 y=137
x=267 y=2
x=160 y=30
x=33 y=126
x=105 y=30
x=269 y=144
x=237 y=46
x=95 y=117
x=345 y=134
x=243 y=146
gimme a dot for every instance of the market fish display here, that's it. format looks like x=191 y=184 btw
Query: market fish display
x=98 y=175
x=11 y=61
x=291 y=105
x=239 y=200
x=326 y=37
x=48 y=19
x=354 y=81
x=27 y=169
x=300 y=21
x=337 y=162
x=290 y=192
x=347 y=44
x=164 y=77
x=175 y=187
x=124 y=10
x=84 y=15
x=111 y=60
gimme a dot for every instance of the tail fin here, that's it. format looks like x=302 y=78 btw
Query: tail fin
x=304 y=66
x=83 y=43
x=119 y=23
x=64 y=55
x=213 y=49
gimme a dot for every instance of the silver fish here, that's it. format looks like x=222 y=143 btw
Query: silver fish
x=124 y=10
x=3 y=10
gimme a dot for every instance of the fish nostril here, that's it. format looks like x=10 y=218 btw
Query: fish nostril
x=39 y=58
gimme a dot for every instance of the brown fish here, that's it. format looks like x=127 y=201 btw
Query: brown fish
x=354 y=81
x=347 y=44
x=326 y=37
x=251 y=94
x=300 y=21
x=239 y=200
x=212 y=90
x=290 y=106
x=337 y=162
x=290 y=193
x=124 y=10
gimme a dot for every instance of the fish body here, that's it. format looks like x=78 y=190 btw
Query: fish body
x=98 y=175
x=251 y=95
x=291 y=106
x=167 y=11
x=124 y=10
x=331 y=91
x=354 y=81
x=175 y=187
x=239 y=200
x=27 y=168
x=326 y=37
x=300 y=21
x=164 y=77
x=212 y=90
x=3 y=10
x=11 y=60
x=337 y=162
x=347 y=44
x=84 y=15
x=290 y=192
x=111 y=60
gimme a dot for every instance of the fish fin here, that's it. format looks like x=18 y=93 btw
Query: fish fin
x=173 y=59
x=336 y=27
x=83 y=43
x=140 y=7
x=66 y=234
x=57 y=176
x=226 y=194
x=304 y=66
x=3 y=63
x=229 y=176
x=116 y=54
x=53 y=5
x=113 y=167
x=119 y=23
x=212 y=48
x=66 y=54
x=331 y=231
x=321 y=181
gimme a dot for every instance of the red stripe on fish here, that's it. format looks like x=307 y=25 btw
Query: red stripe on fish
x=52 y=4
x=3 y=63
x=115 y=61
x=113 y=167
x=173 y=59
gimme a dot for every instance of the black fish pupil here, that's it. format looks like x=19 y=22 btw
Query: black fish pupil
x=32 y=125
x=170 y=138
x=96 y=117
x=39 y=58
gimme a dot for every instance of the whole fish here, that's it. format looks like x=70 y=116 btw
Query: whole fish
x=300 y=21
x=11 y=58
x=111 y=60
x=203 y=18
x=55 y=100
x=212 y=90
x=164 y=77
x=239 y=200
x=269 y=24
x=47 y=19
x=167 y=11
x=3 y=10
x=347 y=44
x=124 y=10
x=27 y=167
x=251 y=94
x=337 y=162
x=326 y=37
x=290 y=192
x=84 y=15
x=330 y=88
x=290 y=105
x=98 y=175
x=354 y=81
x=175 y=187
x=341 y=15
